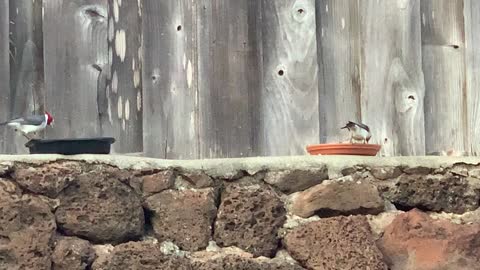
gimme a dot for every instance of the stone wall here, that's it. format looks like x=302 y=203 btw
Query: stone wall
x=113 y=212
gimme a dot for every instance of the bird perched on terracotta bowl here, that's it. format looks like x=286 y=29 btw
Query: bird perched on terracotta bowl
x=358 y=131
x=30 y=124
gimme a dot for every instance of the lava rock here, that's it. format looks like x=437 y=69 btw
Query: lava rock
x=72 y=253
x=101 y=209
x=338 y=197
x=27 y=228
x=141 y=255
x=184 y=217
x=249 y=218
x=158 y=182
x=335 y=243
x=236 y=262
x=48 y=179
x=385 y=173
x=416 y=241
x=449 y=193
x=197 y=179
x=290 y=181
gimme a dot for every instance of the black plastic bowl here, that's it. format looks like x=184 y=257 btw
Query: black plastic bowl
x=71 y=146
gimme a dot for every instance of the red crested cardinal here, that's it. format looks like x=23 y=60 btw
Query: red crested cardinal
x=30 y=124
x=358 y=131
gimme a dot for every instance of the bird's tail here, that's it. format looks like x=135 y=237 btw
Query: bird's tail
x=4 y=123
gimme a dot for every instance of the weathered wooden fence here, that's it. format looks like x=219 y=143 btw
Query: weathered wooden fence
x=229 y=78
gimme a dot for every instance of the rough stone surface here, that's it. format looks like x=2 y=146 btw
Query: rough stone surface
x=417 y=170
x=157 y=182
x=198 y=179
x=338 y=198
x=142 y=256
x=384 y=173
x=236 y=262
x=184 y=217
x=475 y=172
x=6 y=167
x=290 y=181
x=449 y=193
x=9 y=189
x=27 y=228
x=415 y=241
x=100 y=209
x=72 y=253
x=335 y=243
x=48 y=179
x=249 y=218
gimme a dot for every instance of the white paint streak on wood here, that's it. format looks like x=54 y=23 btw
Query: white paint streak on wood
x=139 y=100
x=189 y=74
x=111 y=31
x=116 y=10
x=121 y=44
x=119 y=107
x=140 y=6
x=115 y=82
x=127 y=109
x=136 y=78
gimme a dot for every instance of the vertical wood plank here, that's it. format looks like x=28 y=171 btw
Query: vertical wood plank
x=391 y=73
x=75 y=46
x=26 y=67
x=125 y=86
x=289 y=96
x=443 y=50
x=170 y=82
x=229 y=74
x=471 y=12
x=4 y=72
x=338 y=41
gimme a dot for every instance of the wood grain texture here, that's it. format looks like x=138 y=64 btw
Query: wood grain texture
x=289 y=96
x=391 y=74
x=472 y=69
x=26 y=67
x=338 y=42
x=170 y=79
x=4 y=73
x=75 y=42
x=229 y=74
x=125 y=85
x=443 y=50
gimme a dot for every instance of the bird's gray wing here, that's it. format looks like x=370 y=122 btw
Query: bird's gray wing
x=363 y=126
x=30 y=120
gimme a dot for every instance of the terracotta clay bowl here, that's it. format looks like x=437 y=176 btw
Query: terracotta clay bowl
x=344 y=149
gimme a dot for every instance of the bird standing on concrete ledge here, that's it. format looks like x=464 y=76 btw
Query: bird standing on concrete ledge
x=30 y=124
x=360 y=132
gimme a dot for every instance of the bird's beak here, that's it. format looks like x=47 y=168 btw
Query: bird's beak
x=343 y=127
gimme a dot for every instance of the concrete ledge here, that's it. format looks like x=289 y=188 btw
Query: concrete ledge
x=253 y=164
